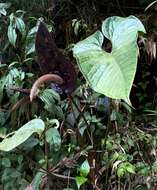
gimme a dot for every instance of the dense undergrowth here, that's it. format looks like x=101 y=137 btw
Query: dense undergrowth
x=89 y=140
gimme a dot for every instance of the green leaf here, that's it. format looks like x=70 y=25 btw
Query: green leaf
x=111 y=74
x=6 y=162
x=84 y=169
x=114 y=157
x=10 y=173
x=12 y=36
x=20 y=26
x=14 y=76
x=80 y=181
x=125 y=167
x=3 y=12
x=52 y=122
x=3 y=65
x=48 y=96
x=12 y=19
x=120 y=172
x=2 y=84
x=30 y=41
x=29 y=144
x=113 y=116
x=130 y=168
x=154 y=166
x=3 y=7
x=22 y=134
x=37 y=180
x=2 y=129
x=53 y=138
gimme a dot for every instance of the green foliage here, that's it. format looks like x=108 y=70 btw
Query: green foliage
x=22 y=134
x=112 y=73
x=84 y=171
x=124 y=168
x=53 y=138
x=12 y=35
x=16 y=22
x=50 y=98
x=3 y=7
x=30 y=41
x=93 y=142
x=80 y=181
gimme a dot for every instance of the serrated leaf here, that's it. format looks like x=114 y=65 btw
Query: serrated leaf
x=84 y=169
x=80 y=181
x=111 y=74
x=12 y=36
x=22 y=134
x=53 y=138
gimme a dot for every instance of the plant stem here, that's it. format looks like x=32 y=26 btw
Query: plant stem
x=85 y=120
x=41 y=169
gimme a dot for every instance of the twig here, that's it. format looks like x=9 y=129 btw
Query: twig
x=46 y=160
x=41 y=169
x=63 y=176
x=85 y=120
x=118 y=4
x=22 y=101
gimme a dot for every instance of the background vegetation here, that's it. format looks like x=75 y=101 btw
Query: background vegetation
x=90 y=141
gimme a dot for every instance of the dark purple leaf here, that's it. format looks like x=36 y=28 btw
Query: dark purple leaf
x=51 y=60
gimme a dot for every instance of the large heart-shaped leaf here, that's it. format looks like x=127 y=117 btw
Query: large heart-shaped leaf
x=22 y=134
x=111 y=74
